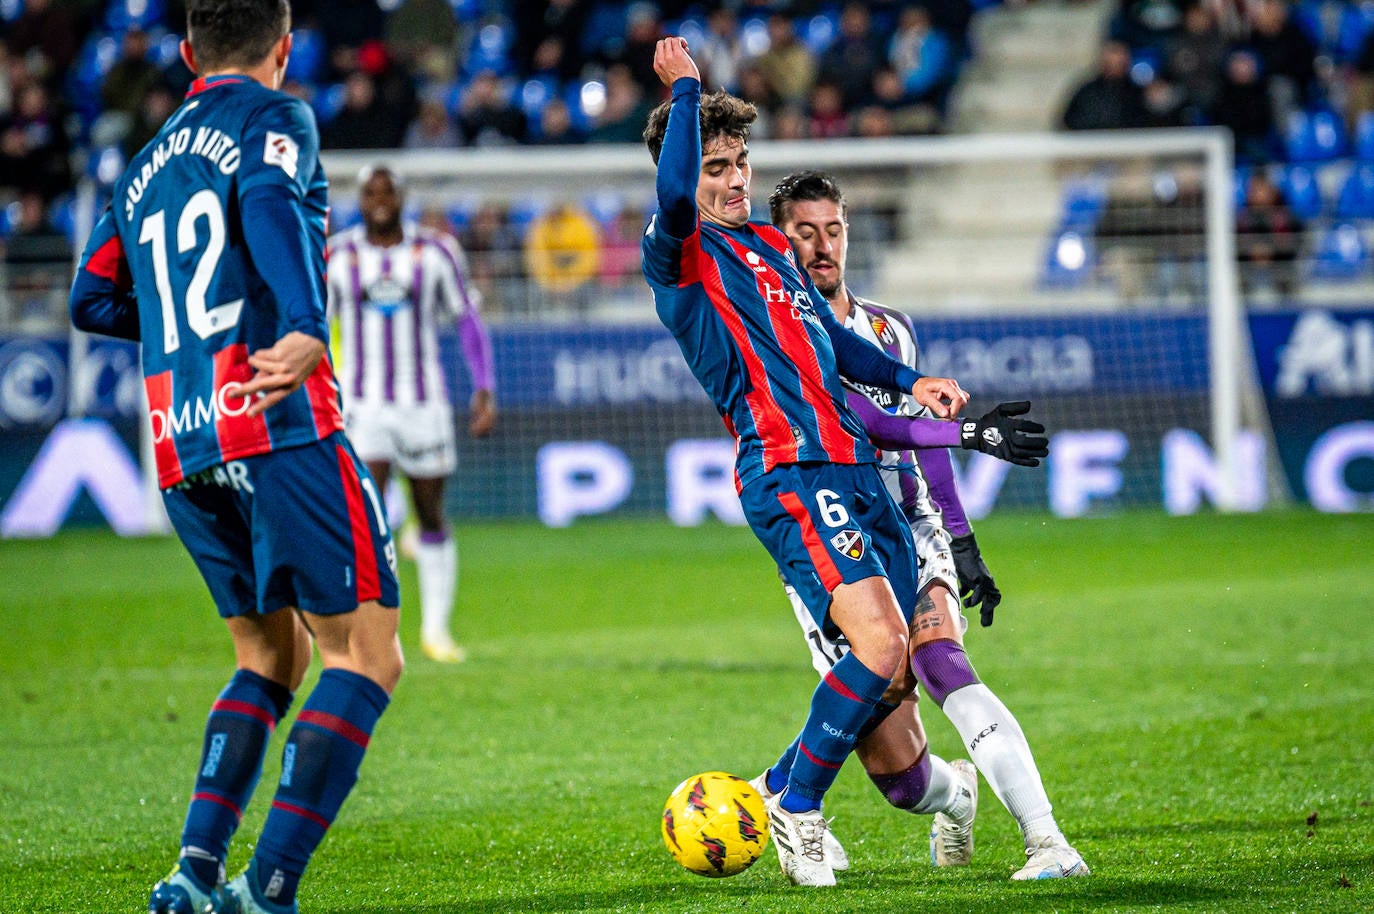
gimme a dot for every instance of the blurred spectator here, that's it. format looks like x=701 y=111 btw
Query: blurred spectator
x=720 y=55
x=788 y=65
x=1268 y=238
x=551 y=61
x=1147 y=23
x=132 y=75
x=790 y=123
x=923 y=59
x=873 y=122
x=620 y=252
x=432 y=128
x=1286 y=56
x=158 y=105
x=556 y=125
x=856 y=54
x=423 y=35
x=54 y=30
x=1163 y=104
x=355 y=126
x=537 y=20
x=954 y=20
x=563 y=254
x=755 y=88
x=907 y=119
x=346 y=27
x=396 y=96
x=1193 y=61
x=1243 y=106
x=486 y=116
x=493 y=250
x=33 y=145
x=1109 y=100
x=626 y=111
x=643 y=29
x=1360 y=89
x=828 y=119
x=38 y=262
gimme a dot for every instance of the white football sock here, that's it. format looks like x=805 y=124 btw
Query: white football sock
x=943 y=793
x=998 y=747
x=437 y=568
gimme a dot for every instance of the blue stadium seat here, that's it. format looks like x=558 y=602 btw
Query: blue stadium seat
x=467 y=10
x=535 y=94
x=1320 y=20
x=1069 y=260
x=1314 y=136
x=1342 y=253
x=1364 y=137
x=122 y=15
x=105 y=164
x=820 y=31
x=11 y=10
x=1356 y=22
x=605 y=206
x=605 y=24
x=165 y=48
x=1302 y=190
x=1242 y=184
x=308 y=51
x=460 y=214
x=1083 y=203
x=490 y=49
x=1356 y=199
x=328 y=102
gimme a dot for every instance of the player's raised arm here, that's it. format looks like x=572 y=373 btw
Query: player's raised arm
x=679 y=158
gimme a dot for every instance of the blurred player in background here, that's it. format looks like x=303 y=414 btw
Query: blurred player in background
x=768 y=350
x=212 y=254
x=389 y=283
x=811 y=209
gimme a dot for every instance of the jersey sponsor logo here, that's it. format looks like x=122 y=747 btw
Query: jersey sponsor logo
x=168 y=422
x=837 y=732
x=886 y=399
x=849 y=543
x=798 y=436
x=992 y=436
x=387 y=295
x=281 y=151
x=231 y=475
x=755 y=262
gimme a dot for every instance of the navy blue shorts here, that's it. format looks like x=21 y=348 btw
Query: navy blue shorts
x=827 y=524
x=301 y=527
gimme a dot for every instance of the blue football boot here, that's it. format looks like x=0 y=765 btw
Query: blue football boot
x=179 y=893
x=241 y=896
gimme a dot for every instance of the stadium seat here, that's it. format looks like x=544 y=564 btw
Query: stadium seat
x=1356 y=22
x=605 y=24
x=1356 y=199
x=820 y=31
x=1242 y=184
x=605 y=205
x=1082 y=205
x=122 y=15
x=1302 y=190
x=328 y=102
x=11 y=10
x=1342 y=253
x=490 y=50
x=1314 y=136
x=524 y=211
x=1364 y=137
x=1068 y=260
x=308 y=52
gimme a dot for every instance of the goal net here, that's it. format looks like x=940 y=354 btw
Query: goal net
x=1094 y=275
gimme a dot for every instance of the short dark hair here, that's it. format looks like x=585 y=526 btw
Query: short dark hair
x=722 y=114
x=805 y=185
x=235 y=33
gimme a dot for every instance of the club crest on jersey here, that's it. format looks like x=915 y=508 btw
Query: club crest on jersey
x=849 y=543
x=281 y=151
x=882 y=328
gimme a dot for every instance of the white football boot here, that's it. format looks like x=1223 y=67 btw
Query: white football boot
x=951 y=840
x=834 y=850
x=1051 y=858
x=800 y=840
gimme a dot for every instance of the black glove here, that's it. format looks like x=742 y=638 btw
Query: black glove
x=1005 y=437
x=975 y=581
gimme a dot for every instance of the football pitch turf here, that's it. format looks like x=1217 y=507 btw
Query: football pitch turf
x=1199 y=693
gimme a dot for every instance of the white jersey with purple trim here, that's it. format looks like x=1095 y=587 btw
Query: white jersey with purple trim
x=388 y=302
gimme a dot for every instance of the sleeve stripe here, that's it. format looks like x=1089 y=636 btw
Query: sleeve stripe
x=108 y=262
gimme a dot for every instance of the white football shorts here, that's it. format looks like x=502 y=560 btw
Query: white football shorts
x=419 y=440
x=937 y=565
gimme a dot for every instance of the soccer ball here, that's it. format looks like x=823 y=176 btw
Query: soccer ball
x=714 y=824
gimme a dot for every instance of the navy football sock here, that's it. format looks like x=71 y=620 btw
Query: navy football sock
x=840 y=706
x=319 y=768
x=241 y=722
x=776 y=776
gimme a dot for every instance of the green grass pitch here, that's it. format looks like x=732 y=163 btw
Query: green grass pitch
x=1199 y=693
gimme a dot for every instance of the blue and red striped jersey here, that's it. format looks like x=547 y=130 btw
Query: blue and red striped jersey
x=213 y=248
x=763 y=342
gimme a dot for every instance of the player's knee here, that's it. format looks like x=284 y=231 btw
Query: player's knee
x=942 y=667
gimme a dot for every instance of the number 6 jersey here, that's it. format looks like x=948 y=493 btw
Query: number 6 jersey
x=212 y=248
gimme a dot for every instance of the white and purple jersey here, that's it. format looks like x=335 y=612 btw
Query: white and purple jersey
x=388 y=302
